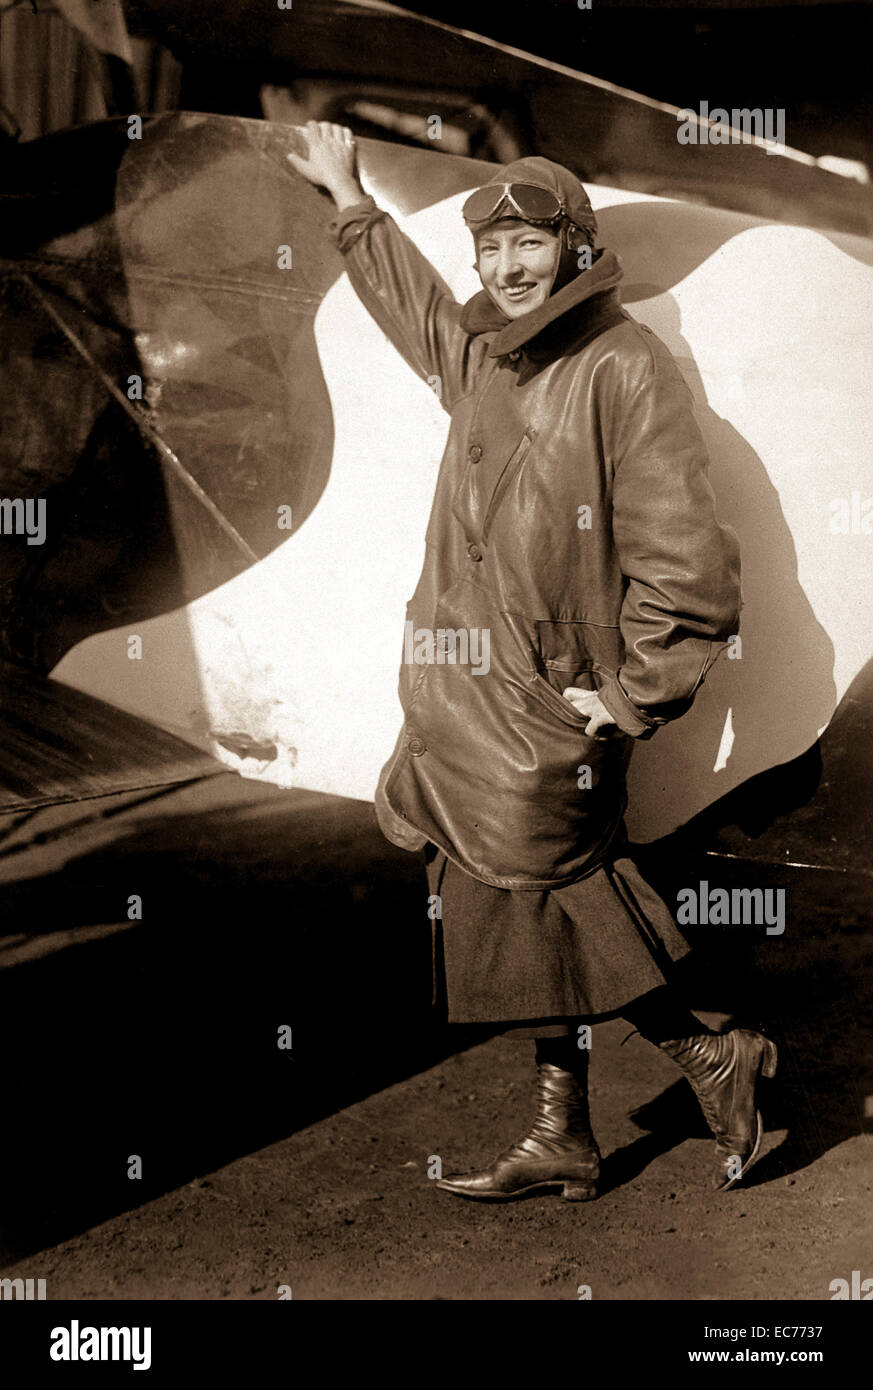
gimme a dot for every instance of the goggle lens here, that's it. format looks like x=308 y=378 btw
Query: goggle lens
x=532 y=203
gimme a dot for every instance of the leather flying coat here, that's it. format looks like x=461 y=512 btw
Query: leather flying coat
x=574 y=524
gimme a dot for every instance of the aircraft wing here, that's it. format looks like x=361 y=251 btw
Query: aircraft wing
x=597 y=128
x=271 y=388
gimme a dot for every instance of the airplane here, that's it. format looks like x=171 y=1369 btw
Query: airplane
x=237 y=470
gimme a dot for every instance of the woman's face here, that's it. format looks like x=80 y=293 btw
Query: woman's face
x=517 y=264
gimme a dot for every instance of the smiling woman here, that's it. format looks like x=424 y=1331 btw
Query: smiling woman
x=510 y=787
x=518 y=264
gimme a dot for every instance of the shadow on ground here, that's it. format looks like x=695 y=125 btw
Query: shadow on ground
x=161 y=1040
x=288 y=908
x=809 y=988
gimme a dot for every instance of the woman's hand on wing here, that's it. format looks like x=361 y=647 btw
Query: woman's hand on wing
x=330 y=161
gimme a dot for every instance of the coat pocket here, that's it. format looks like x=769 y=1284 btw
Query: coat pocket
x=557 y=703
x=513 y=464
x=549 y=689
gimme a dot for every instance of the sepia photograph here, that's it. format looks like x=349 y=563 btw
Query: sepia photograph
x=436 y=665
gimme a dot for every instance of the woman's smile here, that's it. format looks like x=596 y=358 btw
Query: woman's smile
x=517 y=264
x=518 y=291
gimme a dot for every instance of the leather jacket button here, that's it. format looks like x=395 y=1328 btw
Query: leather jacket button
x=416 y=747
x=474 y=552
x=474 y=453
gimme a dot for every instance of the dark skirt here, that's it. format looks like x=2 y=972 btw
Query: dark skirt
x=548 y=958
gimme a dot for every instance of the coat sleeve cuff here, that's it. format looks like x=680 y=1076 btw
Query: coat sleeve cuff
x=628 y=716
x=351 y=222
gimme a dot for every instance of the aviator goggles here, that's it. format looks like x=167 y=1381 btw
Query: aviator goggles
x=530 y=202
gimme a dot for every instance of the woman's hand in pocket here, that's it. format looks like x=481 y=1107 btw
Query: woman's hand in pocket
x=588 y=702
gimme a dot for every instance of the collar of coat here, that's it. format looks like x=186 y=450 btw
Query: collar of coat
x=481 y=315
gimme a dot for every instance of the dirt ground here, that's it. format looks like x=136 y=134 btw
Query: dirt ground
x=310 y=1171
x=344 y=1209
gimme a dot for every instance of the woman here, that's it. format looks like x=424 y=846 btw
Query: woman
x=574 y=526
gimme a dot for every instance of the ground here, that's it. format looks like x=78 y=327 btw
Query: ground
x=308 y=1170
x=344 y=1209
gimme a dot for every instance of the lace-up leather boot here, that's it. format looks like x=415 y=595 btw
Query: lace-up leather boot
x=559 y=1150
x=724 y=1069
